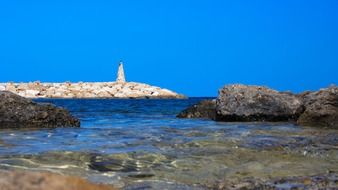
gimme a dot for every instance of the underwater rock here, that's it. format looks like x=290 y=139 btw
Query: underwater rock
x=322 y=181
x=108 y=165
x=14 y=180
x=19 y=112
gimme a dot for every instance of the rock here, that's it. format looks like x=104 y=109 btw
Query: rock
x=320 y=181
x=89 y=90
x=204 y=109
x=321 y=108
x=19 y=112
x=155 y=93
x=11 y=87
x=14 y=180
x=256 y=103
x=102 y=94
x=32 y=93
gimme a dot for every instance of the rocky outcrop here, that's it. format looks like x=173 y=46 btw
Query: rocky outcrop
x=19 y=112
x=14 y=180
x=256 y=103
x=321 y=108
x=88 y=90
x=204 y=109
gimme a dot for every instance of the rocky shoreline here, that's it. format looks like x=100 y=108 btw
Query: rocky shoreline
x=19 y=112
x=88 y=90
x=235 y=103
x=243 y=103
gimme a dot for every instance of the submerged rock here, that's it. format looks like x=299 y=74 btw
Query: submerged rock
x=19 y=112
x=13 y=180
x=111 y=164
x=256 y=103
x=321 y=108
x=323 y=181
x=204 y=109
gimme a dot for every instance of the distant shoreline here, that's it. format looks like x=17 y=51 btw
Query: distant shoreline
x=89 y=90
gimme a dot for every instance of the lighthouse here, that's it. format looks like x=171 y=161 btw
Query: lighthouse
x=120 y=74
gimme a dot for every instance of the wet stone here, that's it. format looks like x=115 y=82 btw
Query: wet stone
x=147 y=185
x=107 y=165
x=141 y=175
x=324 y=181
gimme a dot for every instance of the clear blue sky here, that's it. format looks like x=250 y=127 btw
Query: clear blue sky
x=193 y=47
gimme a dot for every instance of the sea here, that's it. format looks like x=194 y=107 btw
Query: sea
x=140 y=144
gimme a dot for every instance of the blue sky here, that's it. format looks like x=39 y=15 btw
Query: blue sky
x=193 y=47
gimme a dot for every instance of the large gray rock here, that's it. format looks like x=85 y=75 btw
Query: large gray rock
x=19 y=112
x=255 y=103
x=204 y=109
x=321 y=108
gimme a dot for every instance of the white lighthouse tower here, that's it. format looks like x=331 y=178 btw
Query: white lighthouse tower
x=120 y=74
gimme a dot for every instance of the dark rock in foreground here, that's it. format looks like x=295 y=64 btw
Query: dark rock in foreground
x=255 y=103
x=14 y=180
x=19 y=112
x=321 y=108
x=204 y=109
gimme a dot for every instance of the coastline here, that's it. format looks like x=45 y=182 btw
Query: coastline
x=142 y=140
x=89 y=90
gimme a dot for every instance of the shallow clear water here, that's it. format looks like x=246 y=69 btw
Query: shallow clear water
x=140 y=144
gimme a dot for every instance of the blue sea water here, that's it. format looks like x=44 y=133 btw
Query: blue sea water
x=140 y=144
x=107 y=124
